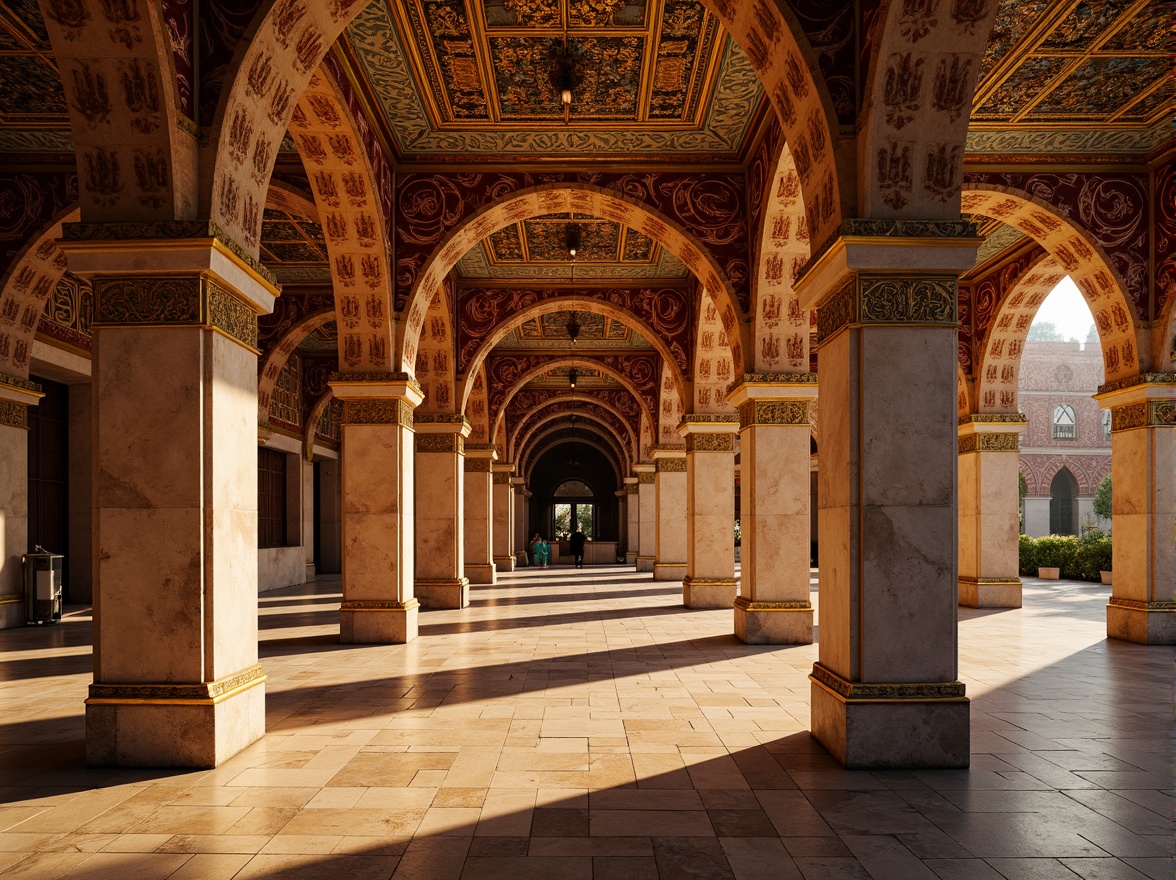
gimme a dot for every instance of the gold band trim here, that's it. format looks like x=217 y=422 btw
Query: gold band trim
x=441 y=443
x=377 y=411
x=709 y=443
x=443 y=582
x=1004 y=442
x=991 y=582
x=710 y=582
x=670 y=465
x=858 y=691
x=11 y=598
x=866 y=299
x=1166 y=606
x=206 y=693
x=646 y=479
x=1141 y=379
x=745 y=604
x=773 y=412
x=477 y=465
x=379 y=605
x=1144 y=414
x=14 y=415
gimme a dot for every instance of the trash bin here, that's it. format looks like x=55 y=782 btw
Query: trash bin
x=42 y=577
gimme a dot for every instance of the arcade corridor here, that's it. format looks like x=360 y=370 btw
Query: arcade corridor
x=584 y=724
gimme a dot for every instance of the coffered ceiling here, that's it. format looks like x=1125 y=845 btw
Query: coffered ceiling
x=550 y=332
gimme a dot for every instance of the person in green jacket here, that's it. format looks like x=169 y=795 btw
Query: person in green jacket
x=540 y=551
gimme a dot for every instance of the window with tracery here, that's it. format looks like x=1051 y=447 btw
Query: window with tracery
x=1064 y=424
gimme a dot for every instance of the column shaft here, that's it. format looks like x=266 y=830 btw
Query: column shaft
x=647 y=516
x=16 y=396
x=440 y=520
x=710 y=512
x=774 y=606
x=479 y=516
x=1143 y=476
x=379 y=542
x=633 y=520
x=670 y=491
x=989 y=517
x=504 y=559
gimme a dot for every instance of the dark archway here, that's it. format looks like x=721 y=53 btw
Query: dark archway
x=1063 y=504
x=571 y=463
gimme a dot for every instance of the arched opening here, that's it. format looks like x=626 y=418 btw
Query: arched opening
x=1063 y=507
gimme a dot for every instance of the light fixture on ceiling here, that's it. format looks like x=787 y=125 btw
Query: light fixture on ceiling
x=573 y=327
x=573 y=375
x=565 y=75
x=573 y=239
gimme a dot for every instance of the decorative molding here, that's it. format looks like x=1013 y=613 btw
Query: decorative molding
x=708 y=419
x=501 y=478
x=376 y=378
x=1141 y=379
x=1144 y=414
x=1004 y=442
x=441 y=419
x=441 y=443
x=476 y=465
x=857 y=690
x=1018 y=418
x=709 y=443
x=169 y=301
x=865 y=228
x=22 y=384
x=708 y=582
x=774 y=412
x=632 y=488
x=169 y=230
x=200 y=693
x=377 y=411
x=646 y=479
x=745 y=604
x=670 y=465
x=776 y=379
x=1166 y=606
x=379 y=605
x=837 y=311
x=888 y=300
x=14 y=415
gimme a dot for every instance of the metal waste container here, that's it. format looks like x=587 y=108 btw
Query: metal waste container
x=42 y=576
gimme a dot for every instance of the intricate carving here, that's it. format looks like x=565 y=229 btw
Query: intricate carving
x=379 y=605
x=710 y=443
x=19 y=383
x=645 y=479
x=773 y=412
x=1003 y=442
x=501 y=478
x=745 y=604
x=632 y=488
x=837 y=311
x=377 y=411
x=858 y=690
x=477 y=465
x=1018 y=418
x=907 y=300
x=1144 y=414
x=200 y=692
x=1140 y=605
x=670 y=465
x=13 y=414
x=1141 y=379
x=227 y=312
x=441 y=443
x=778 y=379
x=169 y=301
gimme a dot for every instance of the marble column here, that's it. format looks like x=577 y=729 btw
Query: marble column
x=504 y=559
x=521 y=538
x=176 y=677
x=16 y=396
x=622 y=522
x=440 y=511
x=886 y=689
x=479 y=515
x=647 y=516
x=1143 y=474
x=989 y=461
x=632 y=519
x=379 y=543
x=774 y=606
x=670 y=491
x=710 y=511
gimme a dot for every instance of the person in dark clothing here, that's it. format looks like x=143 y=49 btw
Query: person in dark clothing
x=576 y=543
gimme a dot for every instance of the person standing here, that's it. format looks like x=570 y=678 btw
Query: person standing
x=576 y=543
x=540 y=551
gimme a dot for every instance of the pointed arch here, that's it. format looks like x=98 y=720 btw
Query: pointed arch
x=136 y=160
x=580 y=198
x=593 y=405
x=347 y=195
x=1081 y=257
x=594 y=440
x=925 y=63
x=577 y=304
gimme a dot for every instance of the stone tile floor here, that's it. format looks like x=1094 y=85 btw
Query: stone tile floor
x=582 y=724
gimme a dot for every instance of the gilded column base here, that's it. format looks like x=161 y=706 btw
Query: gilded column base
x=481 y=573
x=1145 y=623
x=707 y=592
x=669 y=571
x=442 y=592
x=990 y=592
x=374 y=622
x=504 y=563
x=869 y=726
x=198 y=725
x=646 y=563
x=773 y=623
x=631 y=557
x=12 y=610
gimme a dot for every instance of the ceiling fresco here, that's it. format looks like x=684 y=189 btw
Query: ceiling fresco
x=1049 y=62
x=585 y=378
x=551 y=332
x=460 y=77
x=31 y=93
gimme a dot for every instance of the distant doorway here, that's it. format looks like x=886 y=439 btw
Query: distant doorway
x=573 y=508
x=1063 y=511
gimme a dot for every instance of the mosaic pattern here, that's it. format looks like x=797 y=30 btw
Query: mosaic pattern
x=1102 y=62
x=543 y=240
x=448 y=109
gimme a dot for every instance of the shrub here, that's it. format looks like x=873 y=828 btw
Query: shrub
x=1058 y=551
x=1027 y=555
x=1093 y=557
x=1102 y=498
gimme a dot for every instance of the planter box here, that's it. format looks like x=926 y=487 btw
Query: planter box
x=1106 y=577
x=1049 y=574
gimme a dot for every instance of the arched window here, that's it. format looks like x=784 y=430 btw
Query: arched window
x=1064 y=427
x=1063 y=511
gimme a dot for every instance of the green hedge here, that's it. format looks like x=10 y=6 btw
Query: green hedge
x=1079 y=559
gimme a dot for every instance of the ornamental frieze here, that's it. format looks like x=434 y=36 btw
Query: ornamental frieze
x=774 y=412
x=13 y=414
x=670 y=465
x=857 y=690
x=477 y=465
x=1144 y=414
x=1003 y=442
x=171 y=301
x=710 y=443
x=646 y=478
x=377 y=411
x=441 y=443
x=872 y=299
